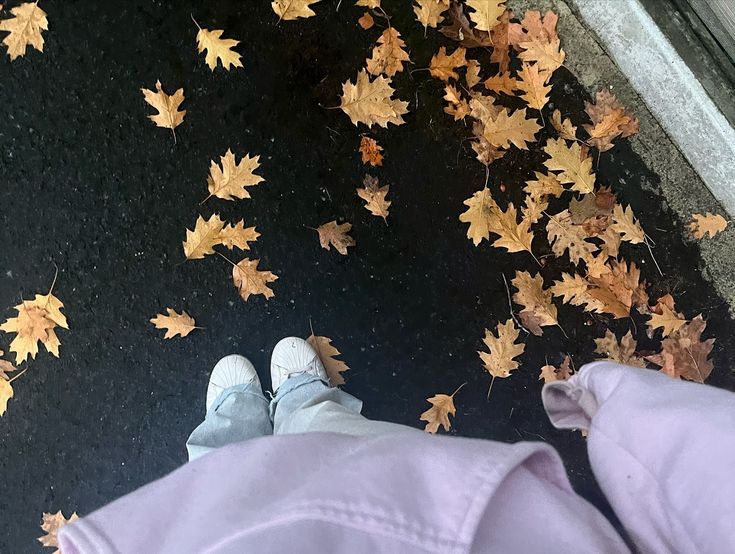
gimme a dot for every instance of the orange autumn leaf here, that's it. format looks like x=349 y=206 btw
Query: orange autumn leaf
x=442 y=406
x=371 y=151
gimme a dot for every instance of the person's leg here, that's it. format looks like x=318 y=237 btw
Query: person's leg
x=237 y=410
x=305 y=402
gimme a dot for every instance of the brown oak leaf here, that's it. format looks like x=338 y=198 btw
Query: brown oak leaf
x=327 y=354
x=249 y=280
x=335 y=234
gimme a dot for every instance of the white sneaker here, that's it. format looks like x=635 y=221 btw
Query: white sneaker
x=230 y=371
x=294 y=356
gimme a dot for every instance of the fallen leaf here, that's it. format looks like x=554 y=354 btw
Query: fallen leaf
x=566 y=130
x=35 y=322
x=610 y=120
x=335 y=234
x=486 y=14
x=619 y=290
x=709 y=224
x=565 y=236
x=389 y=55
x=587 y=207
x=238 y=236
x=462 y=31
x=548 y=55
x=499 y=361
x=533 y=83
x=549 y=373
x=574 y=166
x=175 y=324
x=534 y=208
x=374 y=196
x=472 y=75
x=684 y=354
x=481 y=208
x=536 y=301
x=232 y=179
x=6 y=367
x=366 y=21
x=626 y=226
x=505 y=129
x=442 y=406
x=502 y=82
x=6 y=393
x=25 y=27
x=544 y=185
x=501 y=41
x=50 y=524
x=293 y=9
x=249 y=280
x=370 y=102
x=572 y=289
x=206 y=235
x=168 y=115
x=327 y=353
x=429 y=12
x=443 y=66
x=622 y=352
x=485 y=152
x=533 y=27
x=667 y=319
x=371 y=151
x=218 y=48
x=458 y=106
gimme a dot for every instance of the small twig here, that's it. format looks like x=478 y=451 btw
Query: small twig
x=490 y=388
x=228 y=259
x=458 y=388
x=645 y=241
x=18 y=375
x=195 y=21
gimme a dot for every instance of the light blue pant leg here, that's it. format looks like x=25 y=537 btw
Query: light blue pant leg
x=305 y=403
x=239 y=413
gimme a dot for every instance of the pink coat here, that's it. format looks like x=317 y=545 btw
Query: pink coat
x=662 y=450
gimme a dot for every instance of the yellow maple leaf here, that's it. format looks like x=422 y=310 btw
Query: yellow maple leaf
x=50 y=524
x=374 y=196
x=505 y=129
x=218 y=48
x=24 y=28
x=443 y=65
x=533 y=83
x=6 y=393
x=327 y=354
x=486 y=14
x=370 y=151
x=442 y=406
x=480 y=210
x=429 y=12
x=249 y=280
x=499 y=361
x=709 y=224
x=175 y=323
x=370 y=102
x=334 y=234
x=232 y=179
x=626 y=226
x=538 y=309
x=293 y=9
x=574 y=168
x=548 y=55
x=389 y=55
x=565 y=128
x=168 y=115
x=206 y=235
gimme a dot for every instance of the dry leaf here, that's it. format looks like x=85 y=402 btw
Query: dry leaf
x=485 y=152
x=6 y=367
x=429 y=12
x=50 y=524
x=25 y=26
x=168 y=115
x=232 y=179
x=514 y=236
x=619 y=290
x=684 y=354
x=564 y=235
x=442 y=406
x=665 y=318
x=537 y=305
x=533 y=27
x=35 y=322
x=462 y=31
x=543 y=185
x=374 y=197
x=587 y=207
x=575 y=167
x=458 y=106
x=486 y=14
x=335 y=234
x=709 y=224
x=505 y=129
x=373 y=4
x=610 y=120
x=366 y=21
x=533 y=83
x=502 y=82
x=218 y=48
x=622 y=352
x=549 y=373
x=371 y=151
x=175 y=324
x=565 y=128
x=249 y=280
x=626 y=226
x=238 y=236
x=389 y=55
x=6 y=393
x=502 y=348
x=548 y=55
x=201 y=241
x=370 y=102
x=534 y=208
x=292 y=9
x=327 y=353
x=472 y=76
x=481 y=209
x=501 y=41
x=572 y=289
x=443 y=66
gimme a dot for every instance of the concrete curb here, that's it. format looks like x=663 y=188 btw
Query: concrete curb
x=669 y=89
